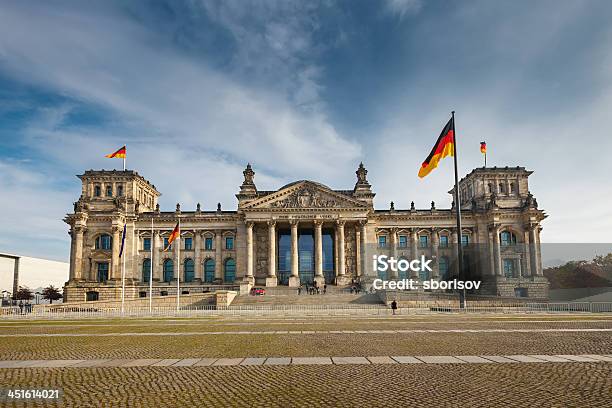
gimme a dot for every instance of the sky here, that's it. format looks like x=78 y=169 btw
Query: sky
x=301 y=90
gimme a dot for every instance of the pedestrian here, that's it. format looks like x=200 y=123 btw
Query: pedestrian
x=325 y=288
x=20 y=307
x=299 y=290
x=394 y=306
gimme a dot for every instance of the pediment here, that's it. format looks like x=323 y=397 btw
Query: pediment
x=305 y=195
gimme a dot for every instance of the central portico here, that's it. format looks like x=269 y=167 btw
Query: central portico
x=305 y=232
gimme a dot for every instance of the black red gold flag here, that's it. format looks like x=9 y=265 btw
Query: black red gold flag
x=174 y=235
x=444 y=147
x=119 y=154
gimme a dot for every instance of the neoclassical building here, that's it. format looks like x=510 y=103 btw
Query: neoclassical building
x=304 y=232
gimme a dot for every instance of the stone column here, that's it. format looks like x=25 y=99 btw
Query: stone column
x=526 y=258
x=393 y=273
x=218 y=255
x=249 y=243
x=539 y=270
x=414 y=239
x=342 y=278
x=533 y=250
x=199 y=267
x=496 y=252
x=78 y=233
x=294 y=279
x=271 y=279
x=115 y=273
x=435 y=244
x=357 y=251
x=318 y=241
x=363 y=246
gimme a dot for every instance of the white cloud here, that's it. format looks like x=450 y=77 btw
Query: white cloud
x=401 y=8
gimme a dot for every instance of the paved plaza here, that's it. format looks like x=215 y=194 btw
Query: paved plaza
x=428 y=360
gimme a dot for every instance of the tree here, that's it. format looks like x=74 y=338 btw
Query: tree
x=51 y=293
x=23 y=293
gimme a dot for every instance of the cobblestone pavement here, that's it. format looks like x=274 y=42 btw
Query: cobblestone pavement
x=310 y=344
x=197 y=369
x=427 y=385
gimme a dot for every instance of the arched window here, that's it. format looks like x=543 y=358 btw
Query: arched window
x=109 y=190
x=168 y=270
x=104 y=242
x=146 y=269
x=120 y=190
x=209 y=270
x=443 y=265
x=502 y=188
x=189 y=270
x=97 y=191
x=507 y=238
x=230 y=271
x=512 y=188
x=490 y=188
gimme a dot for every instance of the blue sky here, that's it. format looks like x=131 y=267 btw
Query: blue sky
x=302 y=90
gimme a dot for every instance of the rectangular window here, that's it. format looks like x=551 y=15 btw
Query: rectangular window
x=97 y=191
x=166 y=244
x=382 y=241
x=465 y=240
x=229 y=243
x=109 y=191
x=146 y=244
x=424 y=241
x=102 y=271
x=188 y=243
x=444 y=241
x=509 y=268
x=120 y=190
x=208 y=243
x=403 y=241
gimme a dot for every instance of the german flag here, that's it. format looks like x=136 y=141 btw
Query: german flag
x=483 y=147
x=119 y=154
x=175 y=233
x=444 y=147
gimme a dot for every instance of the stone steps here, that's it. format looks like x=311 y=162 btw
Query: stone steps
x=294 y=299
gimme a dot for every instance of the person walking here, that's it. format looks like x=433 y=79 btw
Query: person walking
x=394 y=306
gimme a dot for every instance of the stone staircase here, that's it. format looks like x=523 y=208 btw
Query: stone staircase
x=292 y=298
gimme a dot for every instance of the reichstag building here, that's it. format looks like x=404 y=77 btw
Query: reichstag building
x=302 y=233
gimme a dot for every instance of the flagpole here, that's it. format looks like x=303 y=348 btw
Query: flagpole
x=178 y=269
x=151 y=271
x=124 y=157
x=485 y=159
x=458 y=209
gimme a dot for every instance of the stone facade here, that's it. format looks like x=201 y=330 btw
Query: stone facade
x=303 y=232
